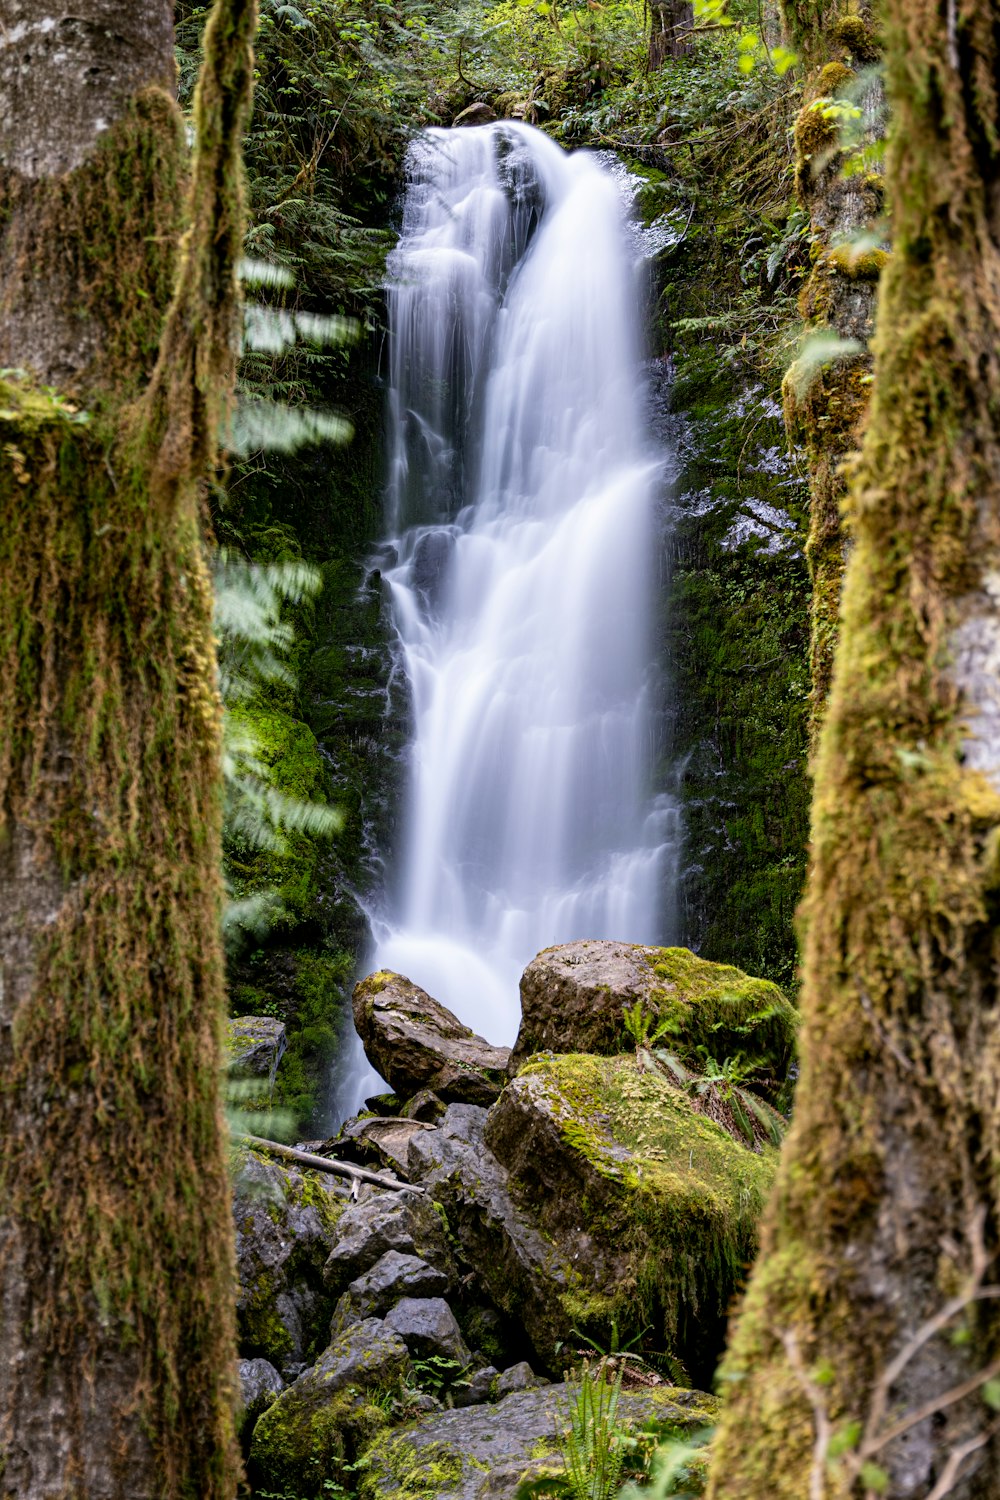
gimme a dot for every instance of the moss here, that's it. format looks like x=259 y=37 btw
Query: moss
x=859 y=36
x=678 y=1195
x=723 y=1010
x=868 y=266
x=833 y=80
x=296 y=1451
x=413 y=1473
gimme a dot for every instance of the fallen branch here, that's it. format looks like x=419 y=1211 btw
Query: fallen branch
x=326 y=1164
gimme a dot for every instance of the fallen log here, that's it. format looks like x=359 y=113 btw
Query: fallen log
x=326 y=1164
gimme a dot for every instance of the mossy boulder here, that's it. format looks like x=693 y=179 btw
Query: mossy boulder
x=485 y=1451
x=286 y=1226
x=416 y=1043
x=573 y=998
x=654 y=1206
x=314 y=1427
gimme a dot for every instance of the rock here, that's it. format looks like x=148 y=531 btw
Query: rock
x=392 y=1276
x=671 y=1200
x=377 y=1141
x=405 y=1222
x=286 y=1225
x=425 y=1106
x=304 y=1437
x=260 y=1383
x=572 y=999
x=486 y=1333
x=524 y=1275
x=485 y=1451
x=415 y=1043
x=255 y=1046
x=428 y=1328
x=520 y=1377
x=476 y=1388
x=476 y=114
x=383 y=1104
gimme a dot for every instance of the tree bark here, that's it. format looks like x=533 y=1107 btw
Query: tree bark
x=671 y=24
x=117 y=1341
x=873 y=1315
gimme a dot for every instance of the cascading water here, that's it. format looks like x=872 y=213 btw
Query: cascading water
x=522 y=498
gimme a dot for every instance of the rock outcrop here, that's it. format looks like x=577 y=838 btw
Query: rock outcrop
x=415 y=1043
x=573 y=997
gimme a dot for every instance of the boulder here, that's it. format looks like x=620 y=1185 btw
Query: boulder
x=654 y=1206
x=428 y=1328
x=286 y=1225
x=424 y=1106
x=475 y=114
x=402 y=1221
x=379 y=1141
x=572 y=999
x=519 y=1377
x=486 y=1451
x=415 y=1043
x=260 y=1384
x=391 y=1277
x=524 y=1275
x=307 y=1434
x=255 y=1046
x=476 y=1388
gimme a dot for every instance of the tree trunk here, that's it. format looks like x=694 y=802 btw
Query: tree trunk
x=671 y=24
x=116 y=1324
x=872 y=1321
x=825 y=406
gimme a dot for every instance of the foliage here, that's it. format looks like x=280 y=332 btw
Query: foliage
x=719 y=1090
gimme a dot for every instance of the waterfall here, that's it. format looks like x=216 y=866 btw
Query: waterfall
x=521 y=501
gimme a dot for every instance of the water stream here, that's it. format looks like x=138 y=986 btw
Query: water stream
x=521 y=503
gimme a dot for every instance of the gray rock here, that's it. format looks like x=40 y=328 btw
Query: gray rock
x=525 y=1276
x=486 y=1451
x=256 y=1045
x=415 y=1043
x=476 y=114
x=428 y=1328
x=424 y=1105
x=572 y=998
x=520 y=1377
x=402 y=1221
x=392 y=1276
x=286 y=1225
x=260 y=1384
x=306 y=1434
x=476 y=1388
x=379 y=1141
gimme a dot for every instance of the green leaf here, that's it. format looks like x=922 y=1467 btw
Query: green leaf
x=874 y=1478
x=991 y=1394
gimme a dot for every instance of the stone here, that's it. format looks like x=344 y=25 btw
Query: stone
x=260 y=1384
x=403 y=1221
x=520 y=1377
x=476 y=1387
x=383 y=1104
x=672 y=1201
x=425 y=1105
x=307 y=1434
x=379 y=1141
x=415 y=1043
x=255 y=1046
x=525 y=1276
x=392 y=1276
x=475 y=114
x=476 y=1452
x=286 y=1222
x=428 y=1328
x=572 y=998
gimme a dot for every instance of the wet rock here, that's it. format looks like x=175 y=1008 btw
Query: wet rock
x=672 y=1201
x=428 y=1328
x=415 y=1043
x=476 y=1387
x=572 y=999
x=384 y=1104
x=391 y=1277
x=404 y=1221
x=475 y=114
x=310 y=1430
x=286 y=1223
x=520 y=1377
x=425 y=1106
x=255 y=1046
x=485 y=1451
x=377 y=1141
x=260 y=1384
x=524 y=1275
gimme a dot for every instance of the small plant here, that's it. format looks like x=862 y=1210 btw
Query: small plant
x=644 y=1028
x=720 y=1092
x=593 y=1447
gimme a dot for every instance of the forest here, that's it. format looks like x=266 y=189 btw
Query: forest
x=500 y=750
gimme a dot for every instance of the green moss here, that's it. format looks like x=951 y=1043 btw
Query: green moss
x=296 y=1451
x=414 y=1473
x=718 y=1007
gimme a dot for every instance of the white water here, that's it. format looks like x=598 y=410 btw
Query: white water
x=521 y=499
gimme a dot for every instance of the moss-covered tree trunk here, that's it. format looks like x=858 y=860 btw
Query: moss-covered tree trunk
x=872 y=1321
x=825 y=402
x=671 y=24
x=116 y=341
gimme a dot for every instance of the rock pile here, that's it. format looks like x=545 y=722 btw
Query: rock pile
x=549 y=1196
